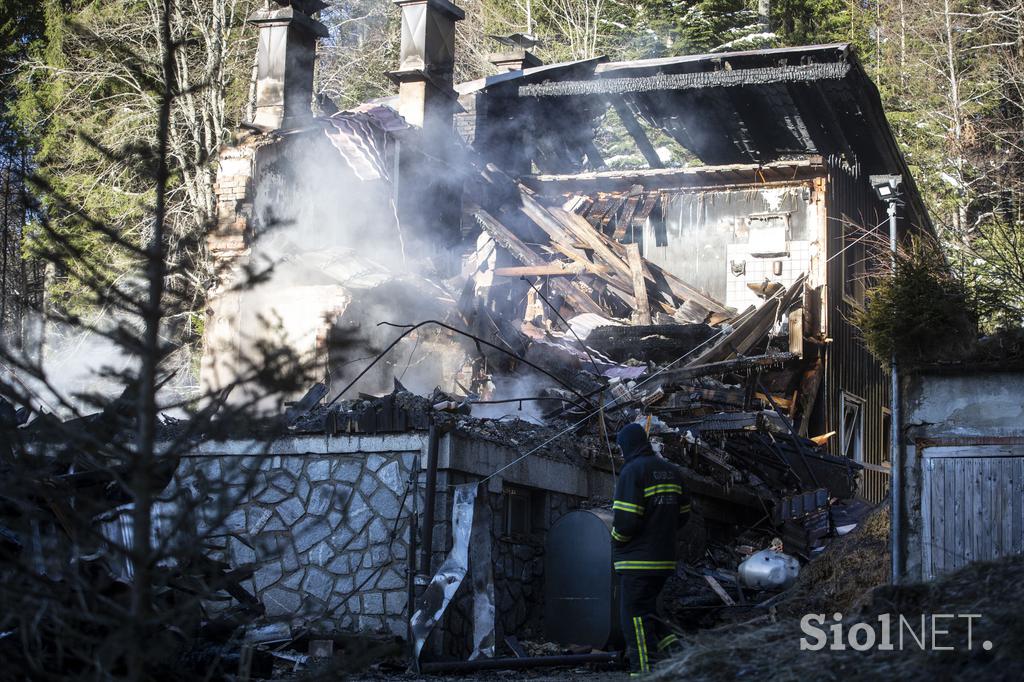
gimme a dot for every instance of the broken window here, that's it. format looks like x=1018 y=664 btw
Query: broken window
x=852 y=434
x=525 y=511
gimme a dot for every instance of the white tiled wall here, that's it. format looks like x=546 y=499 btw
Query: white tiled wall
x=757 y=269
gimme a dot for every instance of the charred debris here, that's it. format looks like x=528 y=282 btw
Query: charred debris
x=724 y=394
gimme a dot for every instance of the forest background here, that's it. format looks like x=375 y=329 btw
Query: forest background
x=76 y=90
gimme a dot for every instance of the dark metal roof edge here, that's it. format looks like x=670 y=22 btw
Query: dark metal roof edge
x=530 y=75
x=833 y=51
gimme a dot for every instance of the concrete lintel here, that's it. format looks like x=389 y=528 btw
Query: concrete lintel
x=482 y=458
x=313 y=445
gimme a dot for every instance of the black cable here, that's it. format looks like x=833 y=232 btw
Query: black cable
x=564 y=321
x=410 y=328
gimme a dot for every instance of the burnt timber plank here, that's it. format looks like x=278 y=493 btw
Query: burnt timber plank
x=527 y=256
x=676 y=376
x=593 y=182
x=552 y=270
x=679 y=289
x=643 y=308
x=745 y=334
x=699 y=80
x=625 y=221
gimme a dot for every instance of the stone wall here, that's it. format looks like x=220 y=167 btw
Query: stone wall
x=328 y=533
x=317 y=517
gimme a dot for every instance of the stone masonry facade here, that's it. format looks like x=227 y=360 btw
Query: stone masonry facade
x=325 y=522
x=328 y=535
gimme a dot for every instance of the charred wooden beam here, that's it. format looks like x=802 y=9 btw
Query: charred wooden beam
x=676 y=376
x=636 y=269
x=676 y=178
x=504 y=237
x=637 y=132
x=552 y=270
x=797 y=73
x=750 y=330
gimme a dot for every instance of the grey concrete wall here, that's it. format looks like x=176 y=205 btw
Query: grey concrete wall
x=969 y=407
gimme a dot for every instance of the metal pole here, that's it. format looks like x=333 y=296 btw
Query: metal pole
x=896 y=447
x=433 y=442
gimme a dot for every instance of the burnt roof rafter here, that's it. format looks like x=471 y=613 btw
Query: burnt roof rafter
x=699 y=80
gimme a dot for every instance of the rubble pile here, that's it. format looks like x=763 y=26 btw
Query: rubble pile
x=985 y=648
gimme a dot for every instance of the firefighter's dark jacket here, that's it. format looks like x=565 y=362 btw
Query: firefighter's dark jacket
x=650 y=505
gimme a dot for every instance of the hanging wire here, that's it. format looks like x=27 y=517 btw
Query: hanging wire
x=603 y=406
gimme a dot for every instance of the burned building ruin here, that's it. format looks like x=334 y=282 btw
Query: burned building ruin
x=487 y=293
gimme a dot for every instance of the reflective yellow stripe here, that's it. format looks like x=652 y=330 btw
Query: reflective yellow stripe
x=645 y=565
x=668 y=640
x=628 y=507
x=641 y=640
x=651 y=491
x=619 y=536
x=685 y=509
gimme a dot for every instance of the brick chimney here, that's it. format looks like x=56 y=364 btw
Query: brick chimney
x=427 y=63
x=285 y=60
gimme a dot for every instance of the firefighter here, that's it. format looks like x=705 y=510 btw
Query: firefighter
x=650 y=505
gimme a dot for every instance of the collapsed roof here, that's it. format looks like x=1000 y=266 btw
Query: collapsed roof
x=754 y=107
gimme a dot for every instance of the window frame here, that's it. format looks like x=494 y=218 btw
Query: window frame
x=849 y=399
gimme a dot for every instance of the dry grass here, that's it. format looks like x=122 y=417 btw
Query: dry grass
x=846 y=579
x=845 y=572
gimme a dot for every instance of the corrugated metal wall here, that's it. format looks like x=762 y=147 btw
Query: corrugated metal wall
x=848 y=365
